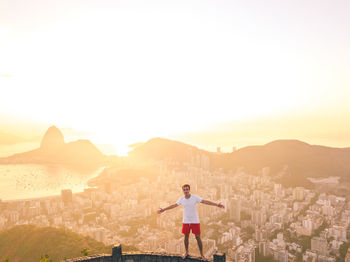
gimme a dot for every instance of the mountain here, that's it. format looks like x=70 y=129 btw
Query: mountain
x=298 y=159
x=161 y=148
x=52 y=140
x=28 y=243
x=53 y=150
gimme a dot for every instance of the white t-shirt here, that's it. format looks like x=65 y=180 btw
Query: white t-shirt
x=190 y=210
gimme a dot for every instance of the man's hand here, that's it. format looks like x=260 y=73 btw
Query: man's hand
x=207 y=202
x=161 y=210
x=221 y=205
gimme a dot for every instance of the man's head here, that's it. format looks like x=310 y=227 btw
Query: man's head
x=186 y=189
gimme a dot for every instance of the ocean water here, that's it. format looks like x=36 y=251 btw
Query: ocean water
x=23 y=181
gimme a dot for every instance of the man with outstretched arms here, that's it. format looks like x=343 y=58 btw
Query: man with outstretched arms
x=190 y=217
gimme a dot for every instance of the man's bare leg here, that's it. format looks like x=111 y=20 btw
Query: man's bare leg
x=186 y=246
x=200 y=246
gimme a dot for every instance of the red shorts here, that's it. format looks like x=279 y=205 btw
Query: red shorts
x=186 y=228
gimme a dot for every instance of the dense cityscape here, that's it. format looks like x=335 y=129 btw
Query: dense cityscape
x=262 y=220
x=175 y=131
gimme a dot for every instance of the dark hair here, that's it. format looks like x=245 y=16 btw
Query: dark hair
x=186 y=185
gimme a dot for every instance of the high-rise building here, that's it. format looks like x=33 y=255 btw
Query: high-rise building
x=307 y=223
x=235 y=209
x=263 y=248
x=205 y=161
x=319 y=244
x=338 y=232
x=260 y=234
x=277 y=188
x=299 y=193
x=258 y=217
x=98 y=234
x=282 y=255
x=66 y=196
x=244 y=253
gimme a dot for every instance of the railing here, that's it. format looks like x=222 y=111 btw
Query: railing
x=118 y=256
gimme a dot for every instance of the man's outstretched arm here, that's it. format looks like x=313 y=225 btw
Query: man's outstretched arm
x=161 y=210
x=207 y=202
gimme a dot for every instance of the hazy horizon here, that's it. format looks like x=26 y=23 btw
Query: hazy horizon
x=224 y=135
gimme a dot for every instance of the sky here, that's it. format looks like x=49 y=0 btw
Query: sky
x=205 y=72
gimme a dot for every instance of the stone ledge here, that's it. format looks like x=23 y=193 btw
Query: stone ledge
x=92 y=258
x=147 y=256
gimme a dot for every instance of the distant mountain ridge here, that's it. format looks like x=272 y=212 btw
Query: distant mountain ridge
x=53 y=150
x=161 y=148
x=299 y=159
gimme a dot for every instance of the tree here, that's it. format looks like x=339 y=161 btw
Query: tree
x=84 y=252
x=344 y=249
x=46 y=258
